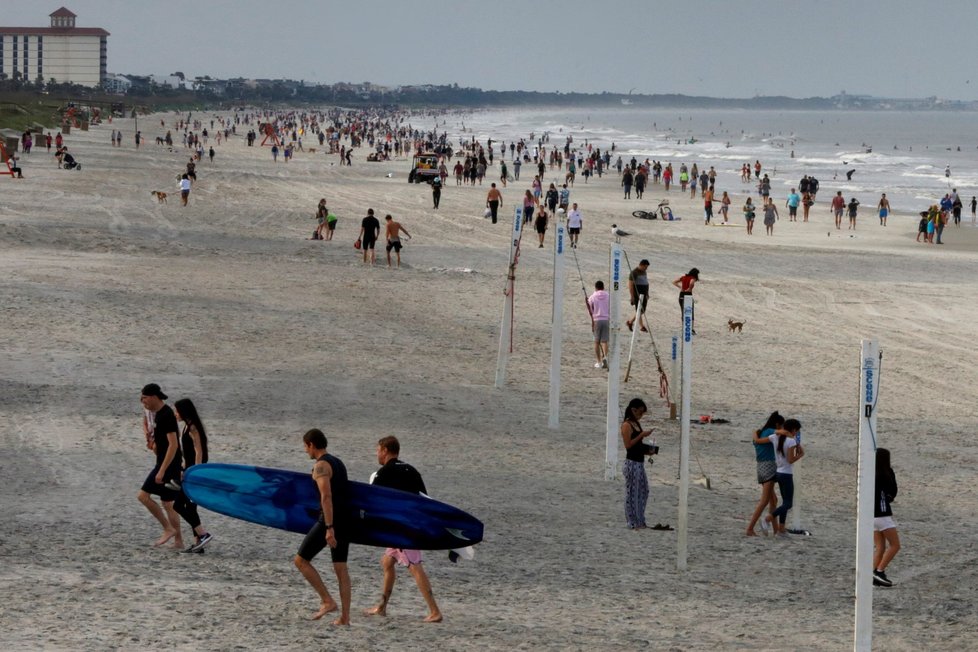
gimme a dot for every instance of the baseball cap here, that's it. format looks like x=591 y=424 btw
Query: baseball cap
x=153 y=390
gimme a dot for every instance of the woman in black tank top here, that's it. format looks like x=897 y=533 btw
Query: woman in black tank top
x=193 y=440
x=193 y=444
x=636 y=481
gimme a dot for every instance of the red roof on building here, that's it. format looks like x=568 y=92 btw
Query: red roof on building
x=64 y=12
x=54 y=31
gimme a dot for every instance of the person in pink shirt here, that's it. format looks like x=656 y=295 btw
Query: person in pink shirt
x=599 y=305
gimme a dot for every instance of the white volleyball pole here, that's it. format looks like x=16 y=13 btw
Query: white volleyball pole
x=866 y=494
x=687 y=360
x=613 y=423
x=636 y=322
x=506 y=326
x=556 y=333
x=675 y=383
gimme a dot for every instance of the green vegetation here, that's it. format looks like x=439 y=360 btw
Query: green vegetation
x=21 y=113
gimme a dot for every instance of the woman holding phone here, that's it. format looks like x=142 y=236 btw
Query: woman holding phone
x=636 y=450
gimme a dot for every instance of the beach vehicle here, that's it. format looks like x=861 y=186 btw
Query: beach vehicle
x=424 y=168
x=662 y=212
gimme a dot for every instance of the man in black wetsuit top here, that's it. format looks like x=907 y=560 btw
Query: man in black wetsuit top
x=399 y=475
x=162 y=439
x=332 y=528
x=369 y=230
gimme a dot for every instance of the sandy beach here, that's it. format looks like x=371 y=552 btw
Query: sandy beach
x=228 y=302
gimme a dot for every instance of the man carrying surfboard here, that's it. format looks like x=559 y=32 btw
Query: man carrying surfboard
x=399 y=475
x=332 y=528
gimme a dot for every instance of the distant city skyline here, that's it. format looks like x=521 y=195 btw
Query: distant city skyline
x=885 y=48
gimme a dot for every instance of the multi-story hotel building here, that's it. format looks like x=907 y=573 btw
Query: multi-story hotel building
x=61 y=52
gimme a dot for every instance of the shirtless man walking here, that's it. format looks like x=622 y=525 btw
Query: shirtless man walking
x=329 y=474
x=394 y=238
x=494 y=201
x=884 y=209
x=838 y=208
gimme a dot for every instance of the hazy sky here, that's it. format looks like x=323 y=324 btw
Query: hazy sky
x=729 y=48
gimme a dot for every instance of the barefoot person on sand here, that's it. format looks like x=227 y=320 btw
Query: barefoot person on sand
x=393 y=232
x=770 y=215
x=369 y=230
x=749 y=216
x=399 y=475
x=599 y=305
x=767 y=469
x=884 y=209
x=162 y=439
x=329 y=474
x=494 y=201
x=787 y=451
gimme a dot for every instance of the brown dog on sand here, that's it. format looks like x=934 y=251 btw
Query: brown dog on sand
x=160 y=196
x=736 y=325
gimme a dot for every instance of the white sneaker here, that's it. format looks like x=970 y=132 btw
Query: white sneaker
x=597 y=365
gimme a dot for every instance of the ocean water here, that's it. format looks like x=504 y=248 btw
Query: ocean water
x=901 y=153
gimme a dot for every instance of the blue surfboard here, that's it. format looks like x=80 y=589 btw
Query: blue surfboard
x=287 y=500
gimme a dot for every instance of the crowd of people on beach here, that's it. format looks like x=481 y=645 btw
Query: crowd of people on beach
x=387 y=134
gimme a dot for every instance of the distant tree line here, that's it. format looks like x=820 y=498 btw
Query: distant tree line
x=216 y=92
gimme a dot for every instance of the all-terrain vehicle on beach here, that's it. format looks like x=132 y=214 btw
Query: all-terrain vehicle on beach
x=424 y=168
